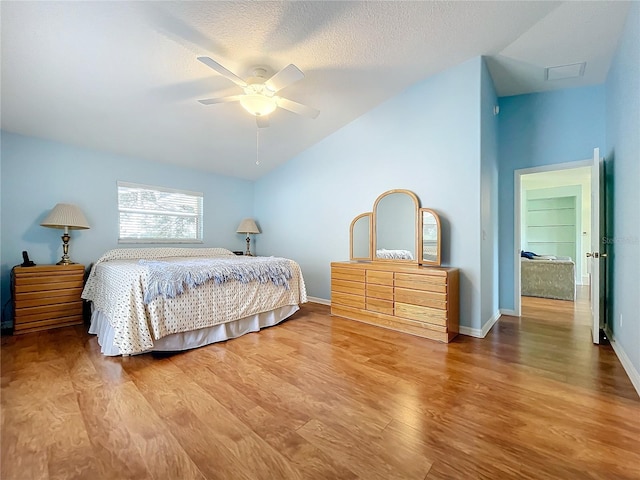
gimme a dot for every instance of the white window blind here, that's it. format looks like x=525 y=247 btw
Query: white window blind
x=150 y=214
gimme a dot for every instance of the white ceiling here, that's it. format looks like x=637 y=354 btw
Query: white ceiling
x=123 y=76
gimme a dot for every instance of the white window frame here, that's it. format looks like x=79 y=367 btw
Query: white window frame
x=199 y=215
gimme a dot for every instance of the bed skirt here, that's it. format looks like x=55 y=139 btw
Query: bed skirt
x=101 y=326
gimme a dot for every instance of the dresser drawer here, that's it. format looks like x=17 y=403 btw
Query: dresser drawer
x=347 y=286
x=380 y=291
x=379 y=278
x=421 y=297
x=380 y=306
x=423 y=314
x=347 y=299
x=352 y=274
x=421 y=282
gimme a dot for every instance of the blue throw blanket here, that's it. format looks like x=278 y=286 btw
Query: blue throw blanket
x=171 y=278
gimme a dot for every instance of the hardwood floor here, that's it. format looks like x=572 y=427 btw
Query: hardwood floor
x=320 y=397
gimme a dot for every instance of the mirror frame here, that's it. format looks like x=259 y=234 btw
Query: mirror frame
x=418 y=236
x=438 y=259
x=353 y=223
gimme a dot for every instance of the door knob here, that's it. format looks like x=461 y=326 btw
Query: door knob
x=596 y=255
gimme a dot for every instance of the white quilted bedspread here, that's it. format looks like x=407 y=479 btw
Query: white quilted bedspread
x=116 y=286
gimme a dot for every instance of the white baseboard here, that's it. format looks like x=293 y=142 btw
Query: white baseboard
x=481 y=332
x=321 y=301
x=505 y=311
x=633 y=374
x=470 y=332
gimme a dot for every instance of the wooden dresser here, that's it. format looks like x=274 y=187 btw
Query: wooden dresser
x=422 y=301
x=47 y=296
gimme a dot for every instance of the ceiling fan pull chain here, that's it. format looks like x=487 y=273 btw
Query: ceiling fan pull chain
x=257 y=145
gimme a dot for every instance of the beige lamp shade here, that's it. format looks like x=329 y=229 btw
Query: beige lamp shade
x=67 y=216
x=248 y=225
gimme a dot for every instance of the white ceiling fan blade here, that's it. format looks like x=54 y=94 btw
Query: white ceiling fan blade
x=288 y=75
x=211 y=101
x=296 y=107
x=262 y=121
x=223 y=71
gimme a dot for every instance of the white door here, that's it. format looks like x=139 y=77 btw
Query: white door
x=597 y=255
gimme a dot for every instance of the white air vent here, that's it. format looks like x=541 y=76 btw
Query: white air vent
x=562 y=72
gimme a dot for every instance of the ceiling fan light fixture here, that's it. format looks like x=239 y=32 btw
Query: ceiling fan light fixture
x=258 y=105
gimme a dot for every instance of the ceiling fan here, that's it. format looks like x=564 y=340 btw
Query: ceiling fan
x=259 y=97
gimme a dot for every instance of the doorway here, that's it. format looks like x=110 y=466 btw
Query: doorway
x=552 y=218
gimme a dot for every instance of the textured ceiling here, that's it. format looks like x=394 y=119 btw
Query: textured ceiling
x=123 y=76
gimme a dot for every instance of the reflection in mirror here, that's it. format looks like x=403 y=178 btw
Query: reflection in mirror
x=430 y=237
x=396 y=225
x=361 y=237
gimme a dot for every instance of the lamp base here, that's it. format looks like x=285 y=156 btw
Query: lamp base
x=66 y=262
x=65 y=250
x=248 y=252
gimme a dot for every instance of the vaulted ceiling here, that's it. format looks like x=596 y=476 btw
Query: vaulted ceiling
x=123 y=77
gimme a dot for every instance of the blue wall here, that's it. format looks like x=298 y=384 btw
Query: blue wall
x=489 y=307
x=623 y=166
x=535 y=130
x=36 y=174
x=426 y=139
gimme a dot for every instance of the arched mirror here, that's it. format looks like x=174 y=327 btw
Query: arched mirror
x=395 y=226
x=360 y=234
x=397 y=230
x=431 y=232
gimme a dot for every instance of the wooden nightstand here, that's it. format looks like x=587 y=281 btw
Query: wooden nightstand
x=47 y=296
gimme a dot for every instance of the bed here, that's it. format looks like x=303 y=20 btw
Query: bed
x=548 y=277
x=209 y=295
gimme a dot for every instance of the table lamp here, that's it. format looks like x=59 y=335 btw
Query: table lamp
x=247 y=226
x=69 y=217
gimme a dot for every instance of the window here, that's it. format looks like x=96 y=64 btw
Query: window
x=158 y=215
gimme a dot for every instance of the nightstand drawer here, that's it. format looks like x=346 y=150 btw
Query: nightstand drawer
x=47 y=324
x=34 y=314
x=50 y=286
x=47 y=297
